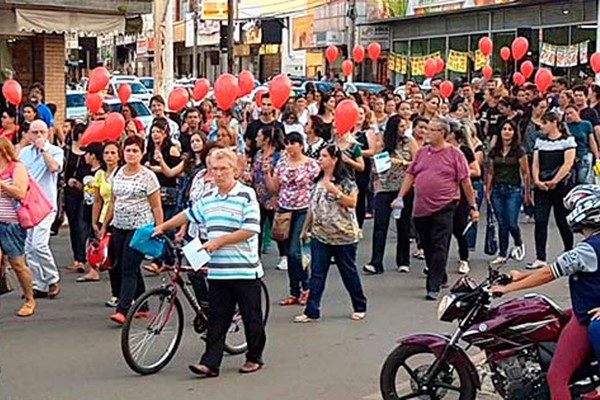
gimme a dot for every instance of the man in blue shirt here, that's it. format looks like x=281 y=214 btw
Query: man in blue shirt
x=44 y=162
x=36 y=97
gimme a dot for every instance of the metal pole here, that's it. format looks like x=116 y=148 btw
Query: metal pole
x=158 y=13
x=351 y=32
x=598 y=36
x=230 y=33
x=169 y=51
x=194 y=5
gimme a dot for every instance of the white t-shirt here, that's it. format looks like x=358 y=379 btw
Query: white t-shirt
x=131 y=208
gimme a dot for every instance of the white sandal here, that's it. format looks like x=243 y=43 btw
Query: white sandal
x=302 y=318
x=358 y=316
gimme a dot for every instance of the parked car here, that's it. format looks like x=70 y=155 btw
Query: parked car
x=354 y=87
x=76 y=107
x=142 y=110
x=326 y=87
x=138 y=90
x=148 y=82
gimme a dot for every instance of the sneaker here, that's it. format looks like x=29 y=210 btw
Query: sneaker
x=518 y=252
x=358 y=316
x=419 y=254
x=404 y=269
x=498 y=261
x=289 y=301
x=302 y=319
x=112 y=302
x=303 y=299
x=432 y=296
x=283 y=264
x=369 y=269
x=536 y=264
x=463 y=267
x=119 y=318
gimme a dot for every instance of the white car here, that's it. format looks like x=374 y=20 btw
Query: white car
x=138 y=90
x=142 y=110
x=148 y=81
x=76 y=107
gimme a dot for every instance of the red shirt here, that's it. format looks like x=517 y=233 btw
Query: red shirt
x=10 y=135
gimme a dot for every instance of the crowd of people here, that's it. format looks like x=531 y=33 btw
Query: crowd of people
x=246 y=178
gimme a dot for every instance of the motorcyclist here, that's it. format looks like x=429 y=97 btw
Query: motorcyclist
x=581 y=266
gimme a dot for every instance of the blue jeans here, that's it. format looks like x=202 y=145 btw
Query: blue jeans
x=583 y=167
x=471 y=235
x=345 y=259
x=594 y=337
x=507 y=200
x=297 y=275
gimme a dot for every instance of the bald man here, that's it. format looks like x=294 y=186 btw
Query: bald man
x=44 y=162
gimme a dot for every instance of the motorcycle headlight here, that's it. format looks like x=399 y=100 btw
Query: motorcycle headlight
x=445 y=303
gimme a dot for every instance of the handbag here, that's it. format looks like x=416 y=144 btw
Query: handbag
x=282 y=223
x=143 y=242
x=35 y=206
x=491 y=243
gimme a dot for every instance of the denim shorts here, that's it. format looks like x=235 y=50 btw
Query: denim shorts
x=12 y=239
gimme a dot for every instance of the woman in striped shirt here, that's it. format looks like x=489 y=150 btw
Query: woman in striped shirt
x=13 y=187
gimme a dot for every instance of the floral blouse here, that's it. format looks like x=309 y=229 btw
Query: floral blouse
x=391 y=180
x=295 y=184
x=265 y=199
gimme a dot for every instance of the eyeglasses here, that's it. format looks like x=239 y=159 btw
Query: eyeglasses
x=40 y=132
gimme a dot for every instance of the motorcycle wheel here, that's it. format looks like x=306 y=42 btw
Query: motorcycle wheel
x=443 y=384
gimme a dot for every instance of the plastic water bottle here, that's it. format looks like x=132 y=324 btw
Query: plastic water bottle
x=397 y=207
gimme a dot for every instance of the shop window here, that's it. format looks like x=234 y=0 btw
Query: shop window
x=502 y=39
x=419 y=47
x=579 y=35
x=438 y=44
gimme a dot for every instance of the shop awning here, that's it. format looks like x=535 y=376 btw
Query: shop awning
x=39 y=21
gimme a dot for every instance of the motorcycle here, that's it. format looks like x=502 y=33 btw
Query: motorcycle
x=518 y=338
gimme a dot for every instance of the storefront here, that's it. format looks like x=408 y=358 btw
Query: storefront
x=564 y=30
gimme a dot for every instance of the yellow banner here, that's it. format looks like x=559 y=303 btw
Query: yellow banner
x=457 y=61
x=417 y=64
x=479 y=60
x=391 y=62
x=402 y=64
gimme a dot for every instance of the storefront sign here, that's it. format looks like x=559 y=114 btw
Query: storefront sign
x=145 y=46
x=268 y=49
x=382 y=9
x=208 y=32
x=375 y=33
x=214 y=9
x=303 y=36
x=241 y=50
x=253 y=35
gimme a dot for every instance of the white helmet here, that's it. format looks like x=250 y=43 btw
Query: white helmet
x=584 y=203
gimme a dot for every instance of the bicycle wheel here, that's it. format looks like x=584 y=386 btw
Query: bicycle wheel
x=153 y=331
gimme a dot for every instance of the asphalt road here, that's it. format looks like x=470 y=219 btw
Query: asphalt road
x=70 y=350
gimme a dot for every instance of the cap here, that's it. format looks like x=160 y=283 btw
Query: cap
x=95 y=148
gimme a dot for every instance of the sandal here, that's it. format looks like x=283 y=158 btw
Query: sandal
x=303 y=318
x=203 y=371
x=358 y=316
x=27 y=310
x=76 y=267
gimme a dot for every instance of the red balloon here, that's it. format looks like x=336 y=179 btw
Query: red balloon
x=178 y=98
x=486 y=46
x=347 y=68
x=258 y=95
x=98 y=81
x=439 y=65
x=332 y=53
x=518 y=78
x=519 y=47
x=201 y=88
x=505 y=53
x=374 y=51
x=93 y=133
x=280 y=89
x=430 y=68
x=358 y=53
x=246 y=82
x=595 y=62
x=487 y=72
x=226 y=91
x=93 y=101
x=124 y=92
x=446 y=89
x=527 y=69
x=114 y=125
x=346 y=116
x=543 y=79
x=12 y=92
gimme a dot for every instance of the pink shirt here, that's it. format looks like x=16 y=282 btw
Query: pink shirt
x=437 y=173
x=296 y=184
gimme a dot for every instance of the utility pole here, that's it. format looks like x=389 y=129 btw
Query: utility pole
x=169 y=51
x=230 y=33
x=195 y=5
x=351 y=31
x=158 y=12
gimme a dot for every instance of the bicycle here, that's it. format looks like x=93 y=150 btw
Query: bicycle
x=160 y=314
